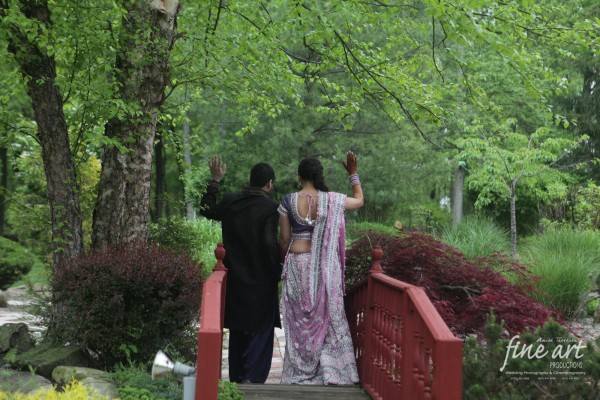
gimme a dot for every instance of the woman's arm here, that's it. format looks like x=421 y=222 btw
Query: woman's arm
x=357 y=200
x=285 y=233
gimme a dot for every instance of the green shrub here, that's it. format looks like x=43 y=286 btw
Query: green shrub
x=135 y=383
x=196 y=238
x=566 y=261
x=358 y=230
x=229 y=391
x=428 y=217
x=15 y=262
x=478 y=237
x=491 y=371
x=578 y=208
x=125 y=303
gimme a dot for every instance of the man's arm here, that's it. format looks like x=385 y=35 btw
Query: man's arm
x=209 y=207
x=270 y=241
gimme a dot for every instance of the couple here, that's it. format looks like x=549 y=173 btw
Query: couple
x=309 y=259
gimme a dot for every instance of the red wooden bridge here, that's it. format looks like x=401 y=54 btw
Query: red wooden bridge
x=404 y=350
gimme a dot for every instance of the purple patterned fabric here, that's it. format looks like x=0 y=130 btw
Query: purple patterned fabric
x=318 y=344
x=289 y=207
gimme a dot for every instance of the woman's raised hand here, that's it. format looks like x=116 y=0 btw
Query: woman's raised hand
x=350 y=163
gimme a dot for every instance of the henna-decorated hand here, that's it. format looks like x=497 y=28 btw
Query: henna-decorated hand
x=350 y=164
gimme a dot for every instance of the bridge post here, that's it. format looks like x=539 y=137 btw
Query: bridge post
x=367 y=362
x=210 y=333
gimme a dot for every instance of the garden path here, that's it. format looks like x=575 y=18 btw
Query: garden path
x=276 y=362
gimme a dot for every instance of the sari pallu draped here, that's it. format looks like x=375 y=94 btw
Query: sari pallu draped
x=318 y=343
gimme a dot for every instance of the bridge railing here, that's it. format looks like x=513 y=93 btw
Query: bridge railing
x=210 y=334
x=404 y=349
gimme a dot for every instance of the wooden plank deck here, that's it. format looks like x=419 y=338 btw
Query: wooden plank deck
x=292 y=392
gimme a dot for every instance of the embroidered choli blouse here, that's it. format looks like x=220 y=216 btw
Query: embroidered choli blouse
x=302 y=228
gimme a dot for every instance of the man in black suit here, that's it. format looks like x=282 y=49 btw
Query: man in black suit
x=249 y=225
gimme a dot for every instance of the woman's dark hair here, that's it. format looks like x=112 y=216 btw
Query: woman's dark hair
x=310 y=169
x=261 y=174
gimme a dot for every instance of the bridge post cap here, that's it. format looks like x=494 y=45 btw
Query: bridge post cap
x=220 y=255
x=220 y=251
x=377 y=253
x=376 y=256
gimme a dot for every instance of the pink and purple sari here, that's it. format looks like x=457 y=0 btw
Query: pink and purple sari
x=318 y=344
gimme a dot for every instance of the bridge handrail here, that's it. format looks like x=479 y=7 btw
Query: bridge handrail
x=210 y=333
x=403 y=347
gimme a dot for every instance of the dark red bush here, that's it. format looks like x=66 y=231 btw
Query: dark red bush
x=124 y=304
x=462 y=290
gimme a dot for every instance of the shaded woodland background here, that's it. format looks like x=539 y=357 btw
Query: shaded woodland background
x=110 y=110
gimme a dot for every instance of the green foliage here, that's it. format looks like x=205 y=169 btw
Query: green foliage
x=28 y=212
x=510 y=157
x=15 y=262
x=229 y=391
x=134 y=382
x=578 y=208
x=197 y=238
x=358 y=230
x=478 y=237
x=492 y=372
x=591 y=307
x=39 y=275
x=566 y=261
x=280 y=81
x=428 y=217
x=123 y=303
x=586 y=207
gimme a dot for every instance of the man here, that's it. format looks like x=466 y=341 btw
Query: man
x=249 y=224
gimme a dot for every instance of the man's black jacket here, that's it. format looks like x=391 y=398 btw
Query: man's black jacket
x=249 y=225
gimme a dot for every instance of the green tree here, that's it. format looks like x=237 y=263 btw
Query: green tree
x=413 y=64
x=508 y=157
x=27 y=32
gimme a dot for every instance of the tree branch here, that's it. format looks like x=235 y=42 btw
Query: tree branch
x=389 y=92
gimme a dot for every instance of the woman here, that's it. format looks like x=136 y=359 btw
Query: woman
x=318 y=347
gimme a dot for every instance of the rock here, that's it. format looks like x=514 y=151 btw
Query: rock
x=15 y=336
x=19 y=381
x=597 y=314
x=94 y=379
x=45 y=357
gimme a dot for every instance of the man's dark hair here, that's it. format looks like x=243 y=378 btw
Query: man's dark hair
x=261 y=174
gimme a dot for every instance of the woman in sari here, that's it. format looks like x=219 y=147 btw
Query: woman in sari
x=318 y=346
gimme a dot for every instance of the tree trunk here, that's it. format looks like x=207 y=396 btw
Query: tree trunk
x=457 y=196
x=3 y=185
x=187 y=158
x=40 y=70
x=513 y=219
x=159 y=179
x=122 y=209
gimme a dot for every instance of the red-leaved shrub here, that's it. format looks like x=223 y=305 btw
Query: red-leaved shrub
x=462 y=290
x=125 y=303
